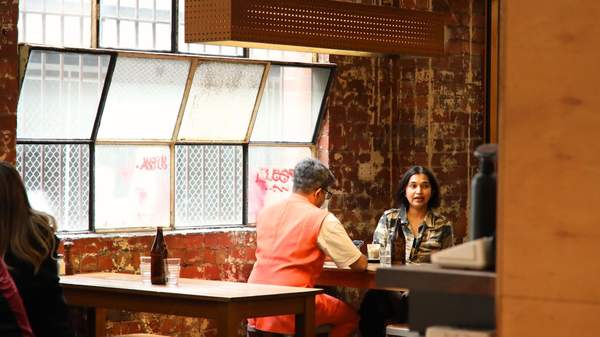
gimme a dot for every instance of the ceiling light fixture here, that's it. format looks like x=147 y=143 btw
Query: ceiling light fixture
x=322 y=26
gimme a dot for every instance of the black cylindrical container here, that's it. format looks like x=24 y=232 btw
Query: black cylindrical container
x=483 y=194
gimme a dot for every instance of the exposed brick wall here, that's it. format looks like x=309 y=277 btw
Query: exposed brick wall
x=9 y=83
x=384 y=114
x=388 y=113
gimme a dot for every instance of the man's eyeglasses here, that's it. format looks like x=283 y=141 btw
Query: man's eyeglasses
x=328 y=194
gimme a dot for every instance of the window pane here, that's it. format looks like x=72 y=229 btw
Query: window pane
x=53 y=30
x=208 y=185
x=280 y=55
x=146 y=38
x=127 y=9
x=127 y=34
x=108 y=8
x=163 y=36
x=163 y=10
x=53 y=6
x=34 y=29
x=144 y=99
x=132 y=186
x=31 y=5
x=221 y=101
x=55 y=22
x=73 y=6
x=108 y=33
x=199 y=48
x=140 y=24
x=290 y=104
x=87 y=32
x=73 y=36
x=57 y=181
x=270 y=174
x=21 y=32
x=57 y=106
x=146 y=10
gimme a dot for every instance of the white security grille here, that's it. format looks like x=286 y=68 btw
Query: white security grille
x=208 y=185
x=57 y=181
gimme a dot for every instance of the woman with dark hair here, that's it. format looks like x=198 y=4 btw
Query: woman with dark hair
x=28 y=246
x=416 y=225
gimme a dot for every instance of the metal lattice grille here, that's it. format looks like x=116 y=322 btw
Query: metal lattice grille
x=208 y=185
x=57 y=181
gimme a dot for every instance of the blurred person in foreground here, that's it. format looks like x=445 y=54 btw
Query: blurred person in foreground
x=421 y=229
x=293 y=237
x=13 y=317
x=28 y=246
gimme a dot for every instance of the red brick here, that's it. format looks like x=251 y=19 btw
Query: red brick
x=210 y=272
x=8 y=126
x=87 y=264
x=105 y=263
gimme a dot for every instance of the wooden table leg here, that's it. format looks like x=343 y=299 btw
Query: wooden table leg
x=228 y=322
x=305 y=323
x=97 y=322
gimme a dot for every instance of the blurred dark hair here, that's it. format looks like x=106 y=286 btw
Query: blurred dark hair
x=26 y=233
x=434 y=202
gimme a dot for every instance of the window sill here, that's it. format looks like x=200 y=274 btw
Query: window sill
x=151 y=232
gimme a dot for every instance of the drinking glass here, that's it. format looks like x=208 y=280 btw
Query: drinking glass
x=373 y=251
x=173 y=270
x=145 y=269
x=385 y=255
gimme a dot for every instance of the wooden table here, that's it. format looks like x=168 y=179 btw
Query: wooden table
x=346 y=277
x=226 y=302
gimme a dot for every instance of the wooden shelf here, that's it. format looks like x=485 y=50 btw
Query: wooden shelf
x=436 y=279
x=440 y=296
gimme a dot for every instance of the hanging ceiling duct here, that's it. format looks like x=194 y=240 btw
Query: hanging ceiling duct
x=314 y=25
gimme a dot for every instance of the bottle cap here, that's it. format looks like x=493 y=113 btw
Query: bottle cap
x=486 y=151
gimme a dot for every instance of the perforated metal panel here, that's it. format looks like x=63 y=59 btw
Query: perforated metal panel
x=329 y=25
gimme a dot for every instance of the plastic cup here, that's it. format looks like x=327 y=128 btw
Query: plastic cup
x=373 y=251
x=173 y=270
x=145 y=270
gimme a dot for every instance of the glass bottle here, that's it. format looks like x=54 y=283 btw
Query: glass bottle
x=385 y=252
x=68 y=261
x=158 y=255
x=399 y=246
x=483 y=194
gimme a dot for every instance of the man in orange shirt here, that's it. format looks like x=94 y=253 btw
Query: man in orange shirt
x=293 y=237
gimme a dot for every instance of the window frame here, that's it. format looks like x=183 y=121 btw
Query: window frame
x=195 y=59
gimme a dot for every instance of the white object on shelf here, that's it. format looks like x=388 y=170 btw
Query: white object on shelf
x=476 y=254
x=447 y=331
x=60 y=262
